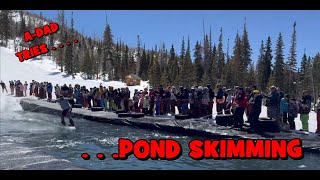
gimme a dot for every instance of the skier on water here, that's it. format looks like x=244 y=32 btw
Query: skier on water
x=66 y=110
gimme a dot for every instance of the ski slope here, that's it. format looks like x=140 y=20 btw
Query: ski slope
x=46 y=70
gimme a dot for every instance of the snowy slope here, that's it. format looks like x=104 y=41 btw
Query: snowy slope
x=45 y=70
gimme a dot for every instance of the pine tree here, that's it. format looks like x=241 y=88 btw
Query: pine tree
x=107 y=53
x=214 y=68
x=87 y=65
x=279 y=64
x=190 y=66
x=236 y=63
x=132 y=64
x=23 y=27
x=182 y=53
x=62 y=39
x=117 y=62
x=206 y=54
x=271 y=80
x=181 y=62
x=186 y=75
x=138 y=55
x=124 y=63
x=5 y=22
x=316 y=74
x=251 y=75
x=42 y=40
x=228 y=74
x=71 y=37
x=267 y=63
x=163 y=58
x=150 y=58
x=170 y=65
x=246 y=49
x=292 y=63
x=305 y=78
x=260 y=66
x=303 y=69
x=68 y=57
x=165 y=77
x=155 y=74
x=220 y=58
x=198 y=70
x=143 y=65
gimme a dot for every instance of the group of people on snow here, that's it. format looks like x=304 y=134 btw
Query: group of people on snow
x=197 y=101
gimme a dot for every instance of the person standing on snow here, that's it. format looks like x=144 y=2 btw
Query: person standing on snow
x=3 y=86
x=240 y=105
x=49 y=91
x=293 y=110
x=272 y=103
x=220 y=100
x=25 y=88
x=284 y=108
x=256 y=103
x=304 y=110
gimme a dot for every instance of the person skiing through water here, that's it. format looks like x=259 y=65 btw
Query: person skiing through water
x=66 y=110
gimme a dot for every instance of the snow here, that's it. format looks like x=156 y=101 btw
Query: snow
x=45 y=70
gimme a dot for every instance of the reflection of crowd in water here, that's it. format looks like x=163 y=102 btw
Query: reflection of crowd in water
x=196 y=101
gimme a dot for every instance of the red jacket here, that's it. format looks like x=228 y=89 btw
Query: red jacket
x=241 y=100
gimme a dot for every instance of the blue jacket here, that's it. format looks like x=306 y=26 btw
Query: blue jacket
x=49 y=88
x=220 y=94
x=284 y=105
x=77 y=92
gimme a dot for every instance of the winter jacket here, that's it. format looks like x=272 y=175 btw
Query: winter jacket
x=64 y=104
x=281 y=95
x=256 y=103
x=98 y=95
x=211 y=93
x=21 y=87
x=205 y=97
x=57 y=89
x=284 y=105
x=77 y=92
x=152 y=97
x=167 y=95
x=241 y=100
x=307 y=99
x=273 y=99
x=220 y=94
x=49 y=88
x=173 y=96
x=136 y=97
x=229 y=99
x=146 y=102
x=293 y=109
x=185 y=97
x=304 y=108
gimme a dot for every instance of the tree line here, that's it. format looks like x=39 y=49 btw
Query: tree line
x=205 y=63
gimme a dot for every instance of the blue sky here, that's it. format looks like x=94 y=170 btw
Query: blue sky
x=169 y=26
